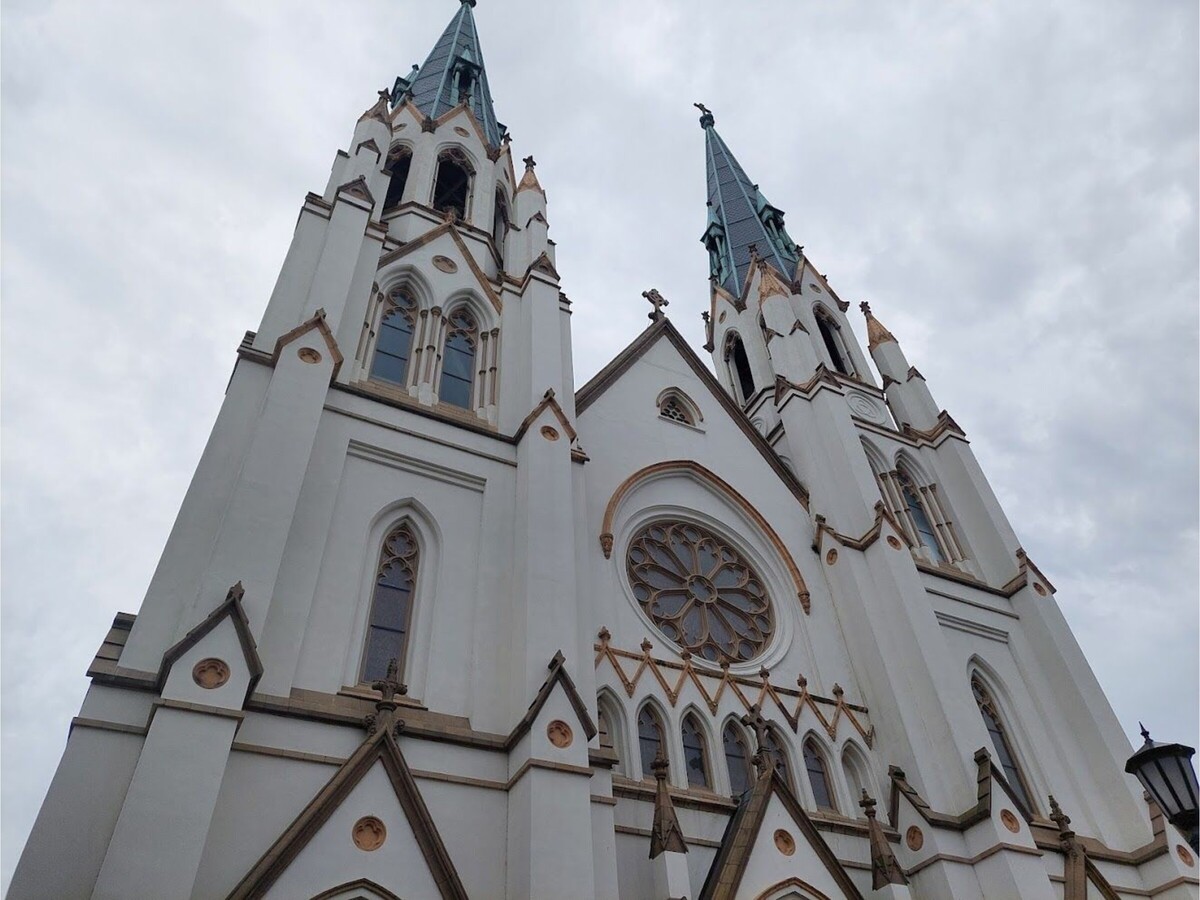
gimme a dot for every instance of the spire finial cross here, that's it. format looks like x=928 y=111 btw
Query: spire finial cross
x=1145 y=733
x=389 y=686
x=866 y=308
x=658 y=301
x=755 y=721
x=706 y=116
x=530 y=162
x=868 y=804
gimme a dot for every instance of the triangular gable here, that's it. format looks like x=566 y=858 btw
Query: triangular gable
x=745 y=838
x=432 y=235
x=230 y=607
x=660 y=328
x=558 y=675
x=379 y=748
x=318 y=323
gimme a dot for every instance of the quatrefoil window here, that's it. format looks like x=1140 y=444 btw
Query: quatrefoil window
x=700 y=592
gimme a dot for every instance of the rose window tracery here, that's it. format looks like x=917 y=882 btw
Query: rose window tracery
x=700 y=592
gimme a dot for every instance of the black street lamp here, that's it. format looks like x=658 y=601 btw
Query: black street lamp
x=1165 y=770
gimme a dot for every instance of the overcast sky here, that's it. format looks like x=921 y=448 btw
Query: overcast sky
x=1012 y=185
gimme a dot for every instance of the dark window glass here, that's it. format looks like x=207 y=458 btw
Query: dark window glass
x=464 y=84
x=736 y=356
x=694 y=754
x=775 y=747
x=394 y=345
x=835 y=352
x=650 y=739
x=500 y=223
x=737 y=758
x=916 y=509
x=452 y=185
x=458 y=360
x=1004 y=754
x=391 y=605
x=814 y=763
x=398 y=172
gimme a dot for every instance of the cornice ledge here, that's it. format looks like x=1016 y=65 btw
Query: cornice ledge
x=868 y=537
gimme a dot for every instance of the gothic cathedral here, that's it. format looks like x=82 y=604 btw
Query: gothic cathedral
x=432 y=622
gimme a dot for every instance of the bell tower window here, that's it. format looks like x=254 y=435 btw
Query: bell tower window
x=926 y=533
x=458 y=359
x=739 y=367
x=831 y=334
x=452 y=185
x=399 y=162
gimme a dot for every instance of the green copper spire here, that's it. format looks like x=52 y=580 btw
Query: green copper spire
x=453 y=72
x=739 y=217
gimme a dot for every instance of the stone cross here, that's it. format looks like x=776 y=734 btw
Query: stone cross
x=866 y=308
x=530 y=162
x=390 y=684
x=704 y=110
x=762 y=756
x=658 y=301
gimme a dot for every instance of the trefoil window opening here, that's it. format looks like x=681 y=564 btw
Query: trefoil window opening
x=650 y=739
x=394 y=345
x=458 y=359
x=695 y=754
x=391 y=604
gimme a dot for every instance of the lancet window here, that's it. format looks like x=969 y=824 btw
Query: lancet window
x=818 y=776
x=452 y=185
x=393 y=348
x=650 y=739
x=831 y=334
x=458 y=359
x=737 y=759
x=500 y=223
x=391 y=604
x=695 y=753
x=1000 y=742
x=398 y=165
x=775 y=748
x=920 y=512
x=921 y=525
x=739 y=367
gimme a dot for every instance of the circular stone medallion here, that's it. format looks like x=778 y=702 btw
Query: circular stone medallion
x=445 y=264
x=559 y=733
x=210 y=673
x=785 y=842
x=864 y=407
x=831 y=557
x=549 y=433
x=461 y=132
x=894 y=542
x=1185 y=855
x=309 y=355
x=368 y=833
x=914 y=837
x=1009 y=819
x=1041 y=590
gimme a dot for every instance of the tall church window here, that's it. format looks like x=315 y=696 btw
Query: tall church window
x=452 y=185
x=1000 y=742
x=398 y=165
x=926 y=533
x=737 y=759
x=392 y=603
x=608 y=725
x=500 y=222
x=818 y=776
x=394 y=345
x=774 y=747
x=831 y=335
x=458 y=359
x=650 y=739
x=739 y=367
x=695 y=753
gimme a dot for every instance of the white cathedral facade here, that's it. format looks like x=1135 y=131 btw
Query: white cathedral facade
x=433 y=622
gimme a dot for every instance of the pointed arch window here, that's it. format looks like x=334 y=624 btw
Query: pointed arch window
x=774 y=746
x=650 y=739
x=831 y=334
x=695 y=753
x=737 y=759
x=609 y=726
x=739 y=367
x=500 y=223
x=452 y=185
x=394 y=345
x=1000 y=742
x=925 y=531
x=856 y=773
x=458 y=359
x=391 y=603
x=398 y=165
x=818 y=776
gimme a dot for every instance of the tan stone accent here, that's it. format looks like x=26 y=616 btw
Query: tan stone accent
x=894 y=542
x=210 y=673
x=1185 y=856
x=549 y=433
x=445 y=264
x=785 y=842
x=914 y=838
x=876 y=333
x=368 y=833
x=309 y=355
x=831 y=556
x=1009 y=820
x=560 y=734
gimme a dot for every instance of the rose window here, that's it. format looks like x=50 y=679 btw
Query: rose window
x=700 y=592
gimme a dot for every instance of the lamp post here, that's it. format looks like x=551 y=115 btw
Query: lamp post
x=1165 y=770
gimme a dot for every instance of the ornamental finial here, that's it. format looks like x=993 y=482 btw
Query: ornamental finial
x=706 y=116
x=876 y=333
x=658 y=301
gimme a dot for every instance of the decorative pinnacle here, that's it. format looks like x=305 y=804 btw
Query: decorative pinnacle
x=660 y=766
x=868 y=804
x=470 y=3
x=389 y=686
x=1145 y=735
x=529 y=161
x=1060 y=818
x=876 y=333
x=706 y=116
